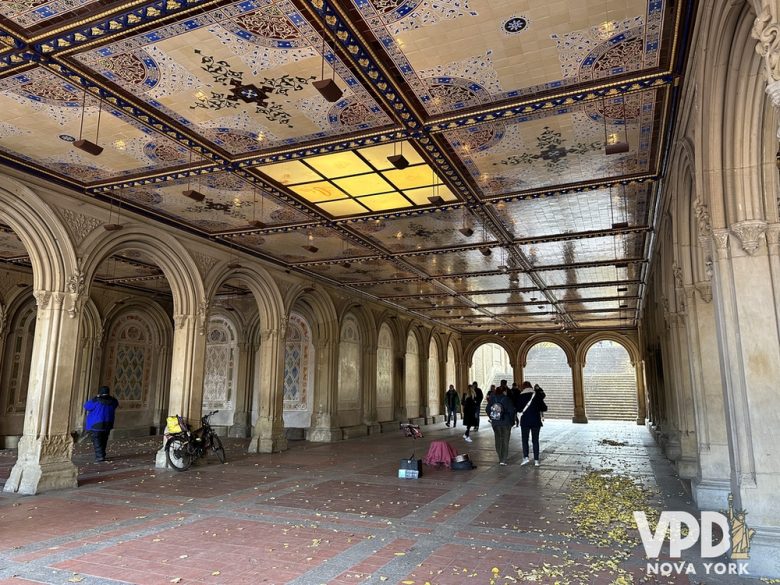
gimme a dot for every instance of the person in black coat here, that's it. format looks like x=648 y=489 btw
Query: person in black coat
x=478 y=396
x=502 y=418
x=530 y=407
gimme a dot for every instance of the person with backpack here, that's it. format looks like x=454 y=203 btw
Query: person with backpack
x=530 y=408
x=452 y=405
x=501 y=414
x=100 y=420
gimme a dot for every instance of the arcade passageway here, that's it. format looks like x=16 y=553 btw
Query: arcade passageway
x=336 y=514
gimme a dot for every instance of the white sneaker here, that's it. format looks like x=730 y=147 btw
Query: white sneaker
x=525 y=461
x=468 y=439
x=536 y=463
x=502 y=463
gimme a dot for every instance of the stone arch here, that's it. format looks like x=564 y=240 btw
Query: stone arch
x=475 y=343
x=299 y=368
x=551 y=366
x=319 y=309
x=48 y=244
x=568 y=348
x=610 y=387
x=168 y=253
x=482 y=377
x=627 y=343
x=435 y=391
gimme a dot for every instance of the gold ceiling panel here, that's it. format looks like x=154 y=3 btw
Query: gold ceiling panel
x=362 y=181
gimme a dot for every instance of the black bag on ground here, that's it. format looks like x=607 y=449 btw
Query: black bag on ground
x=410 y=468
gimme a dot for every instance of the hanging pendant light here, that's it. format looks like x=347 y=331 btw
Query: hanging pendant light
x=82 y=143
x=310 y=247
x=193 y=194
x=435 y=199
x=256 y=223
x=327 y=87
x=398 y=160
x=112 y=227
x=614 y=143
x=465 y=229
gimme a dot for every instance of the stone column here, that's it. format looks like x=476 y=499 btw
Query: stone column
x=188 y=358
x=268 y=433
x=44 y=458
x=641 y=398
x=687 y=463
x=324 y=428
x=749 y=345
x=241 y=415
x=368 y=375
x=579 y=393
x=710 y=487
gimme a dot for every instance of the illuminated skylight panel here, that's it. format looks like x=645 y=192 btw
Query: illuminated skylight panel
x=362 y=181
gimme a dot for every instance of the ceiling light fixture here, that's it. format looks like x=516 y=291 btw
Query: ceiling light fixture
x=82 y=143
x=193 y=194
x=613 y=142
x=466 y=229
x=399 y=161
x=311 y=248
x=256 y=223
x=112 y=227
x=327 y=87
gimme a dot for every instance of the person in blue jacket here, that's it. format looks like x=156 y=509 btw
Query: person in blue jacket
x=100 y=420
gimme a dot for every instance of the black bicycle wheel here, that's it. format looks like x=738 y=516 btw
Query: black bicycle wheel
x=178 y=453
x=216 y=445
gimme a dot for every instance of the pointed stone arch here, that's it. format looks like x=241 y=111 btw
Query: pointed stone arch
x=568 y=348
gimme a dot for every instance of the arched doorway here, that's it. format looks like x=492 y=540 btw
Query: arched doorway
x=489 y=365
x=609 y=381
x=220 y=379
x=15 y=367
x=412 y=377
x=546 y=365
x=384 y=374
x=298 y=374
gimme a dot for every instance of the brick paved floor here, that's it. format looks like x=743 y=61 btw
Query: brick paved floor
x=336 y=513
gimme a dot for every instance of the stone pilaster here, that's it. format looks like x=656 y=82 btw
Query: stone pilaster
x=579 y=393
x=241 y=426
x=185 y=397
x=268 y=433
x=44 y=457
x=749 y=347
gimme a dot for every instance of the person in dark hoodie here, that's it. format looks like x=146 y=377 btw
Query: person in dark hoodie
x=501 y=414
x=530 y=407
x=100 y=420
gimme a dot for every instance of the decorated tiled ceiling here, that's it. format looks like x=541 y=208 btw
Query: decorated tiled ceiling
x=533 y=131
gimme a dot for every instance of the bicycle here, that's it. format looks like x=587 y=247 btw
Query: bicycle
x=185 y=446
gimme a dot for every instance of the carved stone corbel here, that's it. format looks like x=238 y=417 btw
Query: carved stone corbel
x=203 y=317
x=721 y=238
x=766 y=31
x=749 y=233
x=42 y=298
x=705 y=291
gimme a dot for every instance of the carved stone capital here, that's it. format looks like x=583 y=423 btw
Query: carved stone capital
x=749 y=233
x=773 y=234
x=766 y=31
x=42 y=298
x=721 y=239
x=705 y=291
x=180 y=320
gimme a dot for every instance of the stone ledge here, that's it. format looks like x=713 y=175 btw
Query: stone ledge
x=354 y=431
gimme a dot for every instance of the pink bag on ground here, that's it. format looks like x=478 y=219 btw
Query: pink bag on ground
x=440 y=452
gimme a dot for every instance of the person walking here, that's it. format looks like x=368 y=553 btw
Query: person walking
x=514 y=394
x=501 y=414
x=470 y=413
x=452 y=405
x=479 y=397
x=100 y=420
x=530 y=408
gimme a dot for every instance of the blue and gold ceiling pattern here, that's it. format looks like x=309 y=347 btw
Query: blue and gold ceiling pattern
x=535 y=134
